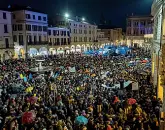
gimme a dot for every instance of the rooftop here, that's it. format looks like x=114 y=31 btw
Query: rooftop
x=140 y=16
x=17 y=8
x=101 y=26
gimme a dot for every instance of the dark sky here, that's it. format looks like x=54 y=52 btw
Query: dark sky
x=113 y=10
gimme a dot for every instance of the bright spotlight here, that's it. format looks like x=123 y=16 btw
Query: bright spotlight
x=66 y=15
x=83 y=19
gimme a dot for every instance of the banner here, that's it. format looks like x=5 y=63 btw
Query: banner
x=135 y=86
x=72 y=69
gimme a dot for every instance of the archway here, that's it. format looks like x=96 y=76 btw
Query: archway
x=60 y=50
x=67 y=50
x=52 y=51
x=72 y=48
x=33 y=51
x=43 y=51
x=83 y=48
x=78 y=48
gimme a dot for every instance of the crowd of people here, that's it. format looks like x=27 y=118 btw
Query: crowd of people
x=79 y=86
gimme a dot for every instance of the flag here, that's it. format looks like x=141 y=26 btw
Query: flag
x=21 y=76
x=30 y=76
x=25 y=79
x=29 y=89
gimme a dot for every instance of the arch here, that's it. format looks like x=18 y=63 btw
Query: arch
x=78 y=48
x=43 y=51
x=52 y=51
x=72 y=48
x=33 y=51
x=60 y=50
x=83 y=47
x=67 y=50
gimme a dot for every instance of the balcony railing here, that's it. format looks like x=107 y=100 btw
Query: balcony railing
x=38 y=43
x=4 y=46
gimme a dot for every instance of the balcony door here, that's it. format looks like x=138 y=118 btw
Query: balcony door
x=7 y=42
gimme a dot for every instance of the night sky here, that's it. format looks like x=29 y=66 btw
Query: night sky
x=114 y=11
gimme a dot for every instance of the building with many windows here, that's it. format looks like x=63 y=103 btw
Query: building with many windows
x=101 y=37
x=26 y=32
x=114 y=35
x=6 y=40
x=137 y=27
x=29 y=30
x=58 y=37
x=83 y=34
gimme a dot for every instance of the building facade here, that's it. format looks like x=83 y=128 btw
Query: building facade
x=137 y=27
x=114 y=35
x=101 y=37
x=83 y=34
x=6 y=40
x=58 y=37
x=29 y=30
x=158 y=49
x=25 y=32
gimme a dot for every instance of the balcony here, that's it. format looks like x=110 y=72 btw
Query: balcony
x=155 y=6
x=37 y=43
x=3 y=46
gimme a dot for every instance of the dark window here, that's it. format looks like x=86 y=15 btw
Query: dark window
x=7 y=42
x=64 y=33
x=64 y=41
x=39 y=28
x=20 y=39
x=68 y=33
x=34 y=17
x=14 y=27
x=28 y=27
x=4 y=15
x=15 y=38
x=44 y=18
x=61 y=33
x=68 y=41
x=58 y=41
x=39 y=17
x=54 y=32
x=35 y=38
x=89 y=32
x=39 y=38
x=20 y=27
x=13 y=16
x=49 y=32
x=34 y=27
x=5 y=29
x=28 y=16
x=45 y=28
x=29 y=38
x=57 y=33
x=50 y=40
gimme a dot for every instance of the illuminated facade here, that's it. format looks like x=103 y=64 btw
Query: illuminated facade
x=6 y=40
x=158 y=49
x=137 y=27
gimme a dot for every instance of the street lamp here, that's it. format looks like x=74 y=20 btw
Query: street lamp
x=83 y=19
x=66 y=15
